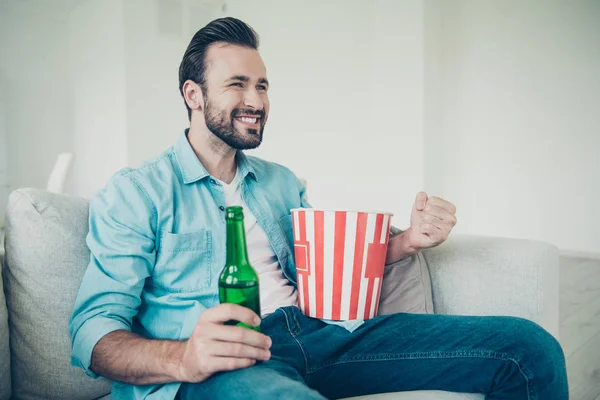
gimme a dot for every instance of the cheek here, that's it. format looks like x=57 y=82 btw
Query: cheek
x=230 y=101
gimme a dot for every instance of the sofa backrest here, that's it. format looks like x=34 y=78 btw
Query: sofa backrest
x=46 y=256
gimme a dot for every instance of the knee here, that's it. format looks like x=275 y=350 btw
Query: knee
x=536 y=347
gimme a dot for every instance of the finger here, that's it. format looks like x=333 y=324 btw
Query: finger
x=439 y=202
x=230 y=363
x=238 y=334
x=436 y=236
x=433 y=220
x=227 y=312
x=238 y=350
x=439 y=213
x=420 y=201
x=443 y=226
x=430 y=229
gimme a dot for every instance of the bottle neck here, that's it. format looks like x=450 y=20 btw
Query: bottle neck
x=237 y=251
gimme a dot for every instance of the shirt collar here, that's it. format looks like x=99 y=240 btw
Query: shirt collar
x=192 y=169
x=245 y=167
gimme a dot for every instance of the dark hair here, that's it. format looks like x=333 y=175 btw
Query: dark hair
x=228 y=30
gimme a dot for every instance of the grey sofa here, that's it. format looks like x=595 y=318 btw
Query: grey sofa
x=46 y=256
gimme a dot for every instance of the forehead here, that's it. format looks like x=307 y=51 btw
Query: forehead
x=226 y=60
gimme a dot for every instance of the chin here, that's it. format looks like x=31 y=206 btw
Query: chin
x=249 y=146
x=249 y=141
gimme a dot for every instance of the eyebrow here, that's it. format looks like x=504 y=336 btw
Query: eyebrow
x=246 y=79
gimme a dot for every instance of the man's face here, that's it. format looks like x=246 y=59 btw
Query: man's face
x=236 y=104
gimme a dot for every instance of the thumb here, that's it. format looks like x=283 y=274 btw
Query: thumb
x=420 y=201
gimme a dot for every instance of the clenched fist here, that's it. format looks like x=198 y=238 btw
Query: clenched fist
x=431 y=221
x=215 y=347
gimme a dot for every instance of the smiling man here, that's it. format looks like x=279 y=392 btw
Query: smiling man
x=147 y=314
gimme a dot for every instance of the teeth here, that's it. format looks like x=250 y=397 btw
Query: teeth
x=248 y=120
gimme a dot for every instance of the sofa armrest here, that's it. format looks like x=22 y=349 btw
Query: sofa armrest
x=478 y=275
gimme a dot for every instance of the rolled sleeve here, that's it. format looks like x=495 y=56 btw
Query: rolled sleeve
x=121 y=240
x=88 y=336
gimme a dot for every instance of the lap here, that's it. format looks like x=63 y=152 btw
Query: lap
x=400 y=352
x=267 y=380
x=425 y=352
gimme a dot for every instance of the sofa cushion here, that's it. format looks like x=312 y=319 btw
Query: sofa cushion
x=46 y=256
x=406 y=286
x=5 y=388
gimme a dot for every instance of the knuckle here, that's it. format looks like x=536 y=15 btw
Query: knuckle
x=232 y=363
x=238 y=349
x=237 y=334
x=227 y=308
x=205 y=316
x=198 y=334
x=207 y=366
x=242 y=335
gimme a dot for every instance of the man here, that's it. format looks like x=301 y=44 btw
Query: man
x=147 y=313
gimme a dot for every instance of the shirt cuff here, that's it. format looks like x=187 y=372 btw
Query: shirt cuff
x=88 y=336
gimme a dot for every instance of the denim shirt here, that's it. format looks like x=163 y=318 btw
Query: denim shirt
x=156 y=236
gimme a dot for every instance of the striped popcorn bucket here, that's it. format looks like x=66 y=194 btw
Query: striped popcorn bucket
x=340 y=257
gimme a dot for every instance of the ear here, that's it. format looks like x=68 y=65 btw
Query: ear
x=193 y=95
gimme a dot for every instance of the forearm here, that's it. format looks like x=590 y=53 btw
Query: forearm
x=127 y=357
x=399 y=248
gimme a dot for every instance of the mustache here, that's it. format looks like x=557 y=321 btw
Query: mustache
x=247 y=111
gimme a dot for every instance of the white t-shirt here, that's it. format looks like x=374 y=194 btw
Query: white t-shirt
x=275 y=290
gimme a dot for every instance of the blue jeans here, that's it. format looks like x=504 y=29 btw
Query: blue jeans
x=503 y=357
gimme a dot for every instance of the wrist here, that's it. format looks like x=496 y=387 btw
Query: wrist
x=400 y=247
x=407 y=244
x=175 y=352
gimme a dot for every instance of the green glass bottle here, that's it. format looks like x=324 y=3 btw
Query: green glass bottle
x=238 y=283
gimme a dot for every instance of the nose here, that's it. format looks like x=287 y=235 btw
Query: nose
x=252 y=99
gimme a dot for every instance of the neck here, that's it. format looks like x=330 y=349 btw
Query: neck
x=216 y=156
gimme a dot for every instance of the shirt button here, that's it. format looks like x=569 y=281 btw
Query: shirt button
x=222 y=208
x=213 y=181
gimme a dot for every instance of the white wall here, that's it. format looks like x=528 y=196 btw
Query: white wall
x=156 y=36
x=488 y=104
x=97 y=73
x=3 y=157
x=519 y=129
x=37 y=102
x=346 y=97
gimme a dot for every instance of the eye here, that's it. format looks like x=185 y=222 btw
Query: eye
x=262 y=88
x=238 y=84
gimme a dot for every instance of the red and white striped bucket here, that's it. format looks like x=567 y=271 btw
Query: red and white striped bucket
x=340 y=258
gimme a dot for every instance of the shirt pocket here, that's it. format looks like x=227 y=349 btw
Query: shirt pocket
x=184 y=261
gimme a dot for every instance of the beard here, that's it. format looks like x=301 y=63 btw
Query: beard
x=221 y=124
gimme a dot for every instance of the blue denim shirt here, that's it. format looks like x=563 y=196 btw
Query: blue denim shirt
x=157 y=249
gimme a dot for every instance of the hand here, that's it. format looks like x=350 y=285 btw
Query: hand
x=215 y=347
x=431 y=221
